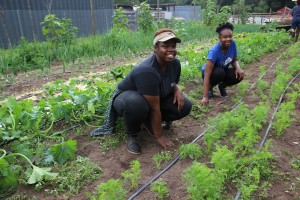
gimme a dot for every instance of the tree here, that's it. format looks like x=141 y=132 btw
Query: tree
x=261 y=7
x=241 y=10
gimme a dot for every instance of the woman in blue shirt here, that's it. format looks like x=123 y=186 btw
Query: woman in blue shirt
x=222 y=67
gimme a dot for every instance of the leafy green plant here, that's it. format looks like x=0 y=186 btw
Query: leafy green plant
x=202 y=182
x=133 y=174
x=161 y=189
x=224 y=159
x=224 y=14
x=9 y=173
x=283 y=118
x=58 y=30
x=120 y=20
x=74 y=176
x=145 y=18
x=64 y=151
x=110 y=190
x=160 y=157
x=191 y=151
x=209 y=14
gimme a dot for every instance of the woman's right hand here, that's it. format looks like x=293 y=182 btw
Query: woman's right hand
x=164 y=141
x=204 y=101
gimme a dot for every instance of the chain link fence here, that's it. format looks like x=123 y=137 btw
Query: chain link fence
x=15 y=24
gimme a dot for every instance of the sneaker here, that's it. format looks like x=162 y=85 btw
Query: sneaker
x=167 y=125
x=210 y=93
x=133 y=145
x=147 y=127
x=292 y=30
x=222 y=90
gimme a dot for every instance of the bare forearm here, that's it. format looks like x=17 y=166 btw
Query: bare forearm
x=156 y=123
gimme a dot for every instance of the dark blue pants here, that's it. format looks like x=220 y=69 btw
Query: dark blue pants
x=135 y=110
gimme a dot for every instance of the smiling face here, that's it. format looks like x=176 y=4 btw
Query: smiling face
x=165 y=51
x=226 y=37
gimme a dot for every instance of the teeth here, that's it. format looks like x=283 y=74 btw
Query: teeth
x=170 y=56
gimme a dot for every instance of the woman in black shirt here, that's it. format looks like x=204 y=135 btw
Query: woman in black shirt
x=149 y=94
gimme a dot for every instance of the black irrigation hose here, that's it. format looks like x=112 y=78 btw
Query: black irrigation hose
x=237 y=196
x=196 y=139
x=163 y=171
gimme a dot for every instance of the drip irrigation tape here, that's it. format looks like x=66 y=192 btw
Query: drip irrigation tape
x=237 y=196
x=196 y=139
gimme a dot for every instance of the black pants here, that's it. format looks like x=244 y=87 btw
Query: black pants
x=135 y=110
x=225 y=76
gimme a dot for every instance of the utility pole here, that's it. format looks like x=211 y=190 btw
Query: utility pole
x=92 y=15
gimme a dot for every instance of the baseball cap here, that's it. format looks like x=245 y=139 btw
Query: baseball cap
x=165 y=36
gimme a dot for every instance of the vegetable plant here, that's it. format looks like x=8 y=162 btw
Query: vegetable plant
x=133 y=174
x=161 y=189
x=191 y=151
x=163 y=156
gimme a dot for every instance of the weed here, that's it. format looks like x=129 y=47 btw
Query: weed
x=74 y=176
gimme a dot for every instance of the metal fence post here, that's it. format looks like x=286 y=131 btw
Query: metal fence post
x=20 y=25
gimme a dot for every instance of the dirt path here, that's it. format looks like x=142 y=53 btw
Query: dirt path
x=117 y=160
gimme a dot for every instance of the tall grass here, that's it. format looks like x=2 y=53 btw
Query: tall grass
x=125 y=44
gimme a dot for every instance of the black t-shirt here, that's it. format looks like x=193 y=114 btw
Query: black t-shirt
x=147 y=78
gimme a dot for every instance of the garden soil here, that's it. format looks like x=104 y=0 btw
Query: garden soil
x=284 y=182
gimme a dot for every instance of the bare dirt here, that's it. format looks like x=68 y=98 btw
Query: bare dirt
x=285 y=181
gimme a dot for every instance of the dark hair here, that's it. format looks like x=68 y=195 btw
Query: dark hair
x=298 y=2
x=223 y=26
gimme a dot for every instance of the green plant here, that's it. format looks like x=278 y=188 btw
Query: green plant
x=224 y=14
x=9 y=172
x=161 y=189
x=133 y=174
x=191 y=151
x=160 y=157
x=144 y=18
x=120 y=20
x=202 y=182
x=110 y=190
x=224 y=159
x=58 y=30
x=209 y=14
x=74 y=176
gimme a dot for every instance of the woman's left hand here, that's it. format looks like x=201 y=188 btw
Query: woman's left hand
x=239 y=73
x=178 y=97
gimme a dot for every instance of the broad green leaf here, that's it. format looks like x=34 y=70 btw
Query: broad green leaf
x=3 y=167
x=8 y=181
x=64 y=151
x=39 y=173
x=23 y=148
